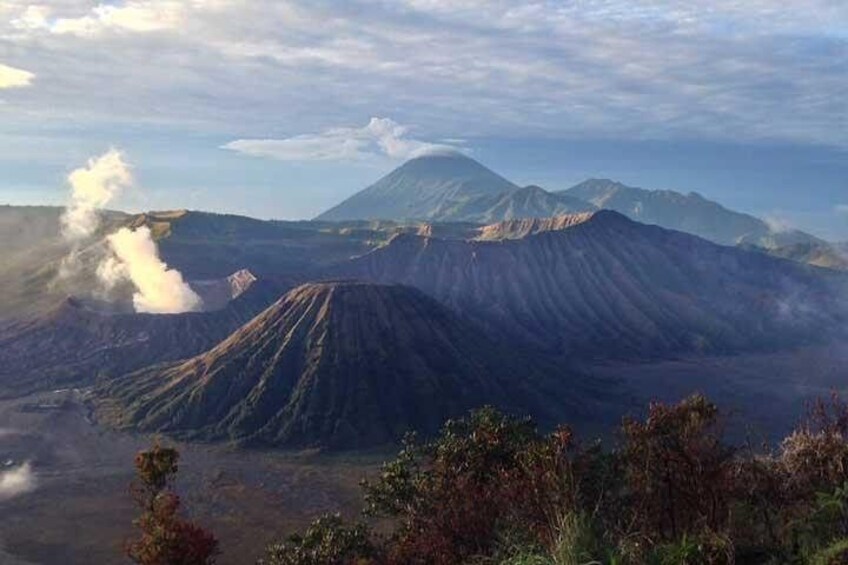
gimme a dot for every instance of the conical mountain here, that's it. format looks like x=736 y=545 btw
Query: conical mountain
x=337 y=364
x=429 y=187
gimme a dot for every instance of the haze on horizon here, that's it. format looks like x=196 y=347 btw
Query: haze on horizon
x=283 y=109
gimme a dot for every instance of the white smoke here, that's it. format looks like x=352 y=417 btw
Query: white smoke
x=92 y=188
x=159 y=290
x=132 y=255
x=16 y=481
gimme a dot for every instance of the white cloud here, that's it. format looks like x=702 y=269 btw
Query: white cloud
x=738 y=71
x=135 y=16
x=841 y=209
x=380 y=137
x=11 y=77
x=15 y=481
x=32 y=18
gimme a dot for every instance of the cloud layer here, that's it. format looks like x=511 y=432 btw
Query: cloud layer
x=380 y=137
x=10 y=77
x=756 y=70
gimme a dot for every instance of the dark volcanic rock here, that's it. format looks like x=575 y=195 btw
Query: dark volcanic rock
x=338 y=364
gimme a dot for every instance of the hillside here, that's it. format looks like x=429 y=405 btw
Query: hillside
x=338 y=364
x=433 y=187
x=691 y=213
x=77 y=341
x=601 y=285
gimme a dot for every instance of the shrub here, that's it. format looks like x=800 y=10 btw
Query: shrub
x=166 y=538
x=453 y=497
x=491 y=489
x=326 y=541
x=677 y=470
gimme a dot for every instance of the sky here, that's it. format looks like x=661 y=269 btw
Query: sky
x=280 y=109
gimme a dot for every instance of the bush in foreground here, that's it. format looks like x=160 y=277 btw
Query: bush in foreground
x=490 y=489
x=165 y=537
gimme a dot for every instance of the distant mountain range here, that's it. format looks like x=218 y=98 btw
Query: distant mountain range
x=347 y=364
x=441 y=287
x=444 y=188
x=338 y=364
x=691 y=213
x=501 y=318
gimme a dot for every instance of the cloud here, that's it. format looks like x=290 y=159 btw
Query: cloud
x=92 y=188
x=135 y=257
x=841 y=209
x=135 y=16
x=10 y=77
x=779 y=223
x=624 y=69
x=16 y=481
x=380 y=137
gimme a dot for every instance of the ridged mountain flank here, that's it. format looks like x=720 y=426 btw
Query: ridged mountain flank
x=601 y=285
x=336 y=364
x=522 y=203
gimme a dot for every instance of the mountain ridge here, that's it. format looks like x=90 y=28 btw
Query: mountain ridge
x=607 y=286
x=690 y=212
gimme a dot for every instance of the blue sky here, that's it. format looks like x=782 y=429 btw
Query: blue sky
x=281 y=109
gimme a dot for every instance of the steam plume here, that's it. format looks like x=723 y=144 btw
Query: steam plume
x=132 y=254
x=18 y=480
x=92 y=188
x=159 y=290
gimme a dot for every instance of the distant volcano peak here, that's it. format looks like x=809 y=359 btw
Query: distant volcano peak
x=423 y=188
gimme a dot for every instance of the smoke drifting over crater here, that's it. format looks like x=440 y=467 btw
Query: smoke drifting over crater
x=92 y=188
x=130 y=255
x=160 y=290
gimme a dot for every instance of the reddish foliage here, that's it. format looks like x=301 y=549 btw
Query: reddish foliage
x=166 y=538
x=678 y=471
